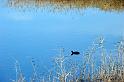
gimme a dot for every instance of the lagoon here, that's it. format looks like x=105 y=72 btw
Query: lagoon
x=30 y=33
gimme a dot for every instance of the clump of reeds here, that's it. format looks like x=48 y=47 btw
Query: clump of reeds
x=65 y=69
x=117 y=5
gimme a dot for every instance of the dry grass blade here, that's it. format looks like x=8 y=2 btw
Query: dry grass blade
x=117 y=5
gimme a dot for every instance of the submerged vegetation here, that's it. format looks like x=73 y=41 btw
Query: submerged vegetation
x=116 y=5
x=109 y=67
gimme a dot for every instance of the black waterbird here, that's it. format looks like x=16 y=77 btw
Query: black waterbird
x=75 y=53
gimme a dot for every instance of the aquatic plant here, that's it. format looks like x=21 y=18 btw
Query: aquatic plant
x=106 y=5
x=65 y=69
x=19 y=75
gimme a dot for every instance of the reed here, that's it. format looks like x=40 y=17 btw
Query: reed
x=65 y=69
x=106 y=5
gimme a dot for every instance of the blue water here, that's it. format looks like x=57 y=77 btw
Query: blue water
x=30 y=34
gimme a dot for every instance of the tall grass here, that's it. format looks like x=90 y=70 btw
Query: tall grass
x=117 y=5
x=65 y=69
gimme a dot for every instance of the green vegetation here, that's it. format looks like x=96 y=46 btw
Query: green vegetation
x=108 y=68
x=116 y=5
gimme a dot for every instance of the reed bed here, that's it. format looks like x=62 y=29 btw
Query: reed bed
x=106 y=5
x=65 y=69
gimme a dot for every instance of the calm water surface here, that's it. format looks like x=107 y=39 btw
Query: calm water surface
x=28 y=34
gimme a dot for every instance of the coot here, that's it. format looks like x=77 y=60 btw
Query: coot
x=75 y=53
